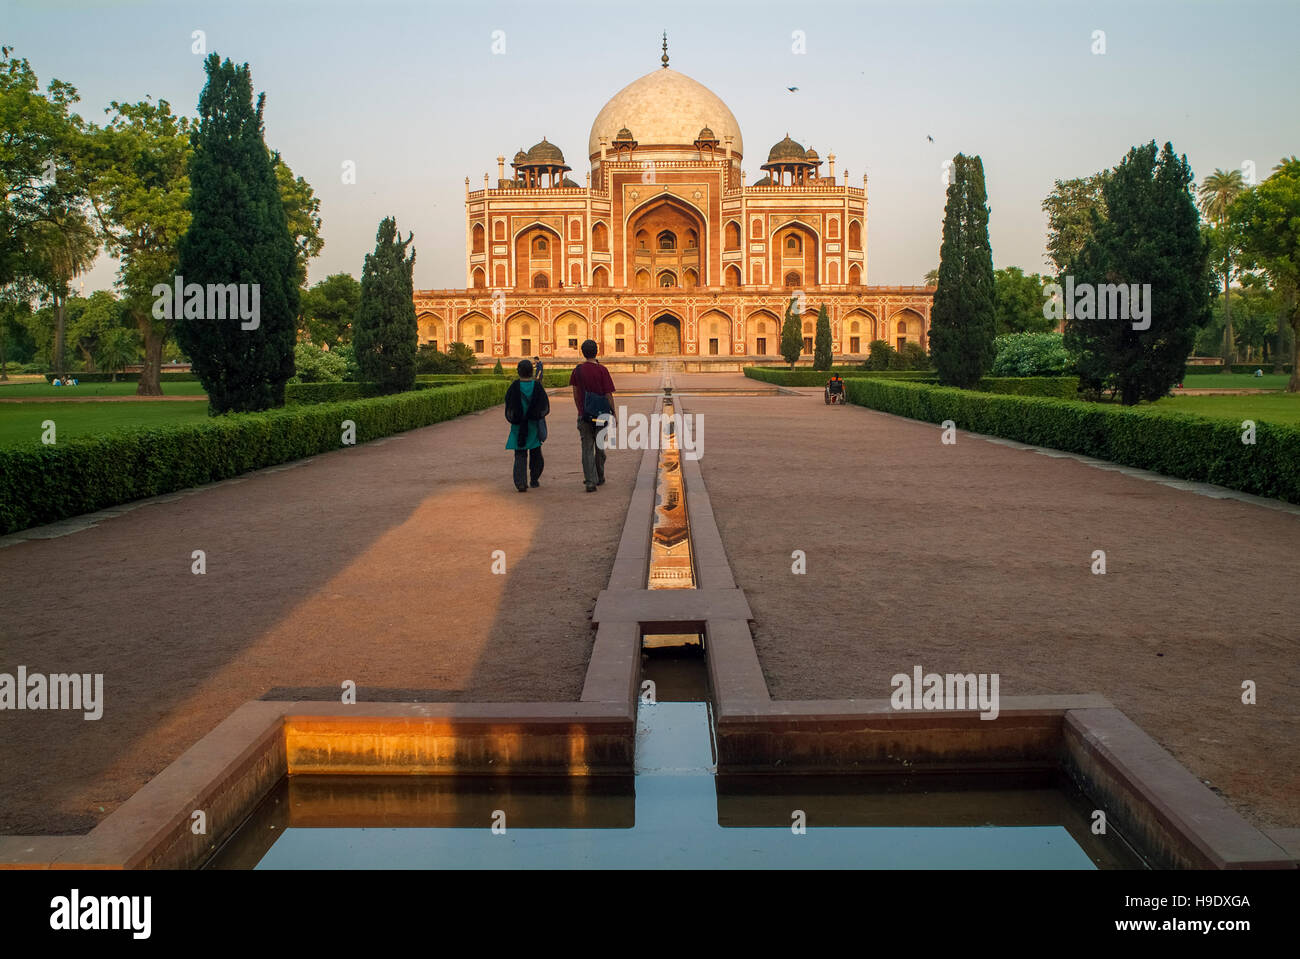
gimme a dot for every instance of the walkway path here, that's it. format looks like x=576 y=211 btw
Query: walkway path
x=371 y=564
x=977 y=558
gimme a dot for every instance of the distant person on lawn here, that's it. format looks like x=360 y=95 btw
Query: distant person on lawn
x=526 y=407
x=593 y=394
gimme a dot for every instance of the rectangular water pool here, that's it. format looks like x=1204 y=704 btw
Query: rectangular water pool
x=675 y=813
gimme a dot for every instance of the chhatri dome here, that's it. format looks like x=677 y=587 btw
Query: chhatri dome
x=665 y=108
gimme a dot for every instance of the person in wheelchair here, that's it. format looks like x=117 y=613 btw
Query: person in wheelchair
x=834 y=389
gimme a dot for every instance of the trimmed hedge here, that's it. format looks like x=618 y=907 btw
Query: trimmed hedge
x=1061 y=387
x=47 y=483
x=124 y=377
x=551 y=379
x=1176 y=444
x=1058 y=386
x=1266 y=367
x=297 y=393
x=1198 y=369
x=807 y=377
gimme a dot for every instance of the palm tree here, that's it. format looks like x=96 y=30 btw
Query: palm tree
x=932 y=278
x=65 y=248
x=1216 y=194
x=117 y=348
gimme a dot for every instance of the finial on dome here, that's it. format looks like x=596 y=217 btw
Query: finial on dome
x=664 y=58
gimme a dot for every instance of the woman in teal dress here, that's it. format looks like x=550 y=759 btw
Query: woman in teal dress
x=526 y=407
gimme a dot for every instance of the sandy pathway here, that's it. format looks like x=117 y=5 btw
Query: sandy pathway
x=977 y=558
x=371 y=564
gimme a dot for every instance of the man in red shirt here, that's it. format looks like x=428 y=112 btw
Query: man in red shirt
x=590 y=377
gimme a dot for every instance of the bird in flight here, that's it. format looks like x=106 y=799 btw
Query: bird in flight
x=792 y=89
x=930 y=138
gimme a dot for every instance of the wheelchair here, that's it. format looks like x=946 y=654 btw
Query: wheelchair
x=834 y=393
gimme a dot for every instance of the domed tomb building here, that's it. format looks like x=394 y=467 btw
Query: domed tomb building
x=667 y=252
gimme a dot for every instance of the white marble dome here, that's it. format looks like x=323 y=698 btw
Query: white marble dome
x=665 y=108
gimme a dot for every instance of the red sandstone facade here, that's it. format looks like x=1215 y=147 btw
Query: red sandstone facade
x=666 y=251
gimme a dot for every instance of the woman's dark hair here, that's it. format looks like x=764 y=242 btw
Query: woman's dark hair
x=525 y=369
x=589 y=349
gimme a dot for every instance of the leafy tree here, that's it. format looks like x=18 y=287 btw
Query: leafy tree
x=1266 y=223
x=328 y=309
x=822 y=357
x=1216 y=194
x=1071 y=208
x=962 y=318
x=16 y=343
x=385 y=333
x=791 y=335
x=1151 y=235
x=42 y=206
x=1018 y=302
x=302 y=210
x=91 y=320
x=239 y=234
x=140 y=189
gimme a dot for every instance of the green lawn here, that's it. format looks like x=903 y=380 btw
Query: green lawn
x=1261 y=407
x=1235 y=381
x=16 y=391
x=20 y=423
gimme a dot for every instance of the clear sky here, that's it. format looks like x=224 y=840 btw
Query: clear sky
x=414 y=95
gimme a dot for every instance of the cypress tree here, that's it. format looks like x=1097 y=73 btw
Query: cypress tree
x=791 y=335
x=1151 y=235
x=963 y=320
x=822 y=357
x=238 y=235
x=385 y=333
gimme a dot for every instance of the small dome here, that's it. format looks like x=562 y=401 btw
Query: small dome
x=706 y=134
x=624 y=134
x=766 y=181
x=520 y=157
x=547 y=153
x=569 y=182
x=811 y=156
x=787 y=151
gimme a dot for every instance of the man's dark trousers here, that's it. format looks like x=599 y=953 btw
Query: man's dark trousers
x=593 y=458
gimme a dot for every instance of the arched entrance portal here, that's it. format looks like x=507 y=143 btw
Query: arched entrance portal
x=668 y=335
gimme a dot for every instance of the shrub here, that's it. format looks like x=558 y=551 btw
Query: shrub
x=880 y=356
x=499 y=371
x=352 y=370
x=315 y=365
x=459 y=358
x=48 y=483
x=1032 y=354
x=1173 y=443
x=911 y=357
